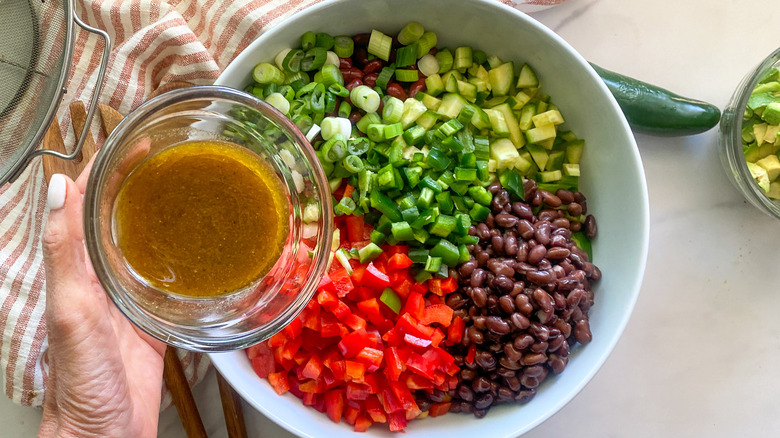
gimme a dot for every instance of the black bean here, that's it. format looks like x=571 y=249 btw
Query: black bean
x=507 y=303
x=590 y=226
x=485 y=359
x=503 y=284
x=523 y=341
x=466 y=393
x=542 y=232
x=497 y=242
x=540 y=277
x=506 y=220
x=565 y=196
x=537 y=254
x=520 y=321
x=512 y=353
x=484 y=402
x=574 y=209
x=478 y=277
x=480 y=385
x=467 y=268
x=522 y=210
x=525 y=229
x=556 y=253
x=497 y=325
x=494 y=187
x=550 y=199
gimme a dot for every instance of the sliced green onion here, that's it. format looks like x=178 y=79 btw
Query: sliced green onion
x=345 y=109
x=393 y=110
x=331 y=75
x=278 y=101
x=343 y=46
x=426 y=42
x=345 y=206
x=323 y=40
x=393 y=131
x=384 y=76
x=292 y=62
x=410 y=33
x=365 y=98
x=265 y=73
x=376 y=132
x=335 y=125
x=432 y=264
x=444 y=56
x=353 y=164
x=308 y=40
x=343 y=257
x=380 y=45
x=367 y=119
x=403 y=75
x=279 y=59
x=314 y=58
x=406 y=56
x=332 y=59
x=313 y=132
x=428 y=65
x=334 y=149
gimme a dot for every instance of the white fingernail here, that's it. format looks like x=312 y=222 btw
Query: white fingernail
x=55 y=199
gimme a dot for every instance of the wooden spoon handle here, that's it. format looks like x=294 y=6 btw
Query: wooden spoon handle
x=176 y=381
x=231 y=406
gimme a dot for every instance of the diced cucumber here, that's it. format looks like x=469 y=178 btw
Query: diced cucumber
x=556 y=160
x=482 y=85
x=497 y=122
x=504 y=153
x=539 y=155
x=480 y=119
x=430 y=102
x=524 y=163
x=549 y=117
x=451 y=104
x=519 y=100
x=527 y=77
x=574 y=151
x=571 y=169
x=540 y=133
x=427 y=120
x=494 y=61
x=434 y=85
x=515 y=135
x=551 y=176
x=501 y=78
x=467 y=90
x=526 y=115
x=413 y=109
x=463 y=58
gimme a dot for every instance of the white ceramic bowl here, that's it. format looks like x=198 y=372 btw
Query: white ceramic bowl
x=613 y=181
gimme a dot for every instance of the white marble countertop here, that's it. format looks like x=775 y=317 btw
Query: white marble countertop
x=698 y=355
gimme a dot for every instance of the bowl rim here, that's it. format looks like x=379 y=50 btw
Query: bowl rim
x=731 y=140
x=223 y=361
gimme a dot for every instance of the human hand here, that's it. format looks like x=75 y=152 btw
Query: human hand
x=104 y=372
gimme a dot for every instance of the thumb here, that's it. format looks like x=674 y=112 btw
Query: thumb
x=67 y=278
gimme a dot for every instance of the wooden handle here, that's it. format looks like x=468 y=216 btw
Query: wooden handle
x=176 y=381
x=231 y=406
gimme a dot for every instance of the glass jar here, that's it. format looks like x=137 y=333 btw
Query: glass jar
x=252 y=314
x=732 y=155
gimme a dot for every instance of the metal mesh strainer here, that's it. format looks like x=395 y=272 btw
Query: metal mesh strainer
x=36 y=47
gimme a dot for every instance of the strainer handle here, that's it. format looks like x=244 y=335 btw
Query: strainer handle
x=95 y=94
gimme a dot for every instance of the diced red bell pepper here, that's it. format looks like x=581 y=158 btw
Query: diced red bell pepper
x=421 y=366
x=397 y=278
x=396 y=249
x=309 y=398
x=375 y=410
x=262 y=359
x=354 y=228
x=394 y=364
x=348 y=190
x=362 y=423
x=389 y=402
x=290 y=348
x=455 y=331
x=415 y=305
x=437 y=337
x=354 y=370
x=311 y=315
x=371 y=357
x=398 y=261
x=327 y=299
x=439 y=409
x=277 y=340
x=334 y=404
x=370 y=309
x=404 y=288
x=315 y=386
x=279 y=382
x=357 y=275
x=375 y=279
x=396 y=421
x=293 y=329
x=420 y=288
x=354 y=322
x=414 y=341
x=338 y=194
x=408 y=324
x=405 y=397
x=329 y=326
x=449 y=285
x=438 y=313
x=339 y=370
x=472 y=354
x=374 y=381
x=351 y=344
x=313 y=368
x=351 y=414
x=445 y=358
x=326 y=284
x=342 y=283
x=356 y=391
x=416 y=382
x=434 y=285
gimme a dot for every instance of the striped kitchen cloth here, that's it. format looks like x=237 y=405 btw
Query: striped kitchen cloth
x=153 y=43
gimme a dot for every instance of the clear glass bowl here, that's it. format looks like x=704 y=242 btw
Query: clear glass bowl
x=731 y=154
x=244 y=317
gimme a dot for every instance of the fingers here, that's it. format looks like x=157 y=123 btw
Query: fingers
x=81 y=181
x=63 y=249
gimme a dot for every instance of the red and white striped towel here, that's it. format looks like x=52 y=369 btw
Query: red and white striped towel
x=153 y=42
